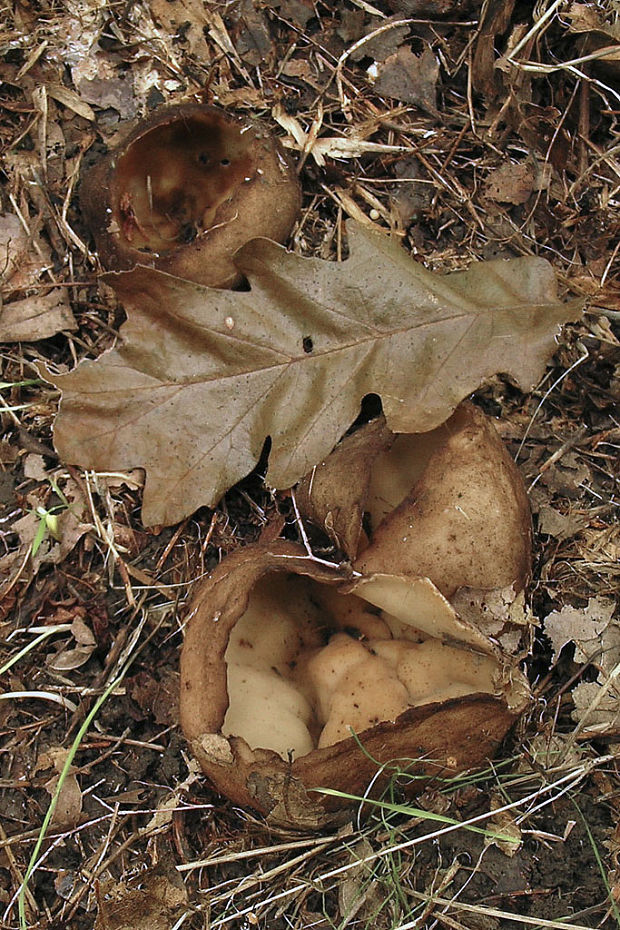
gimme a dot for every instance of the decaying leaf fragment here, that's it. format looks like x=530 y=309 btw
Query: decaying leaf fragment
x=595 y=633
x=284 y=656
x=24 y=261
x=410 y=78
x=66 y=791
x=151 y=902
x=202 y=377
x=586 y=627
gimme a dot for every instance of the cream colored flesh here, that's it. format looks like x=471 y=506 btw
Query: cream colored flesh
x=306 y=665
x=397 y=469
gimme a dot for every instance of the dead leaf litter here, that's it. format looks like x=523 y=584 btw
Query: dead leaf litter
x=457 y=133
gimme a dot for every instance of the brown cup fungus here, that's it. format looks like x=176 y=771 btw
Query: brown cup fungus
x=185 y=190
x=290 y=667
x=296 y=675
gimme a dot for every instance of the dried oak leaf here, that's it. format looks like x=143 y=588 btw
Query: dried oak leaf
x=202 y=377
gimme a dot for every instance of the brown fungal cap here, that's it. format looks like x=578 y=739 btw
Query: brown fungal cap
x=334 y=494
x=185 y=190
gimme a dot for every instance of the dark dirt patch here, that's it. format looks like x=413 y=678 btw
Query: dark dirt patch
x=554 y=875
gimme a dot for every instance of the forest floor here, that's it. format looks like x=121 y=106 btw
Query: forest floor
x=474 y=131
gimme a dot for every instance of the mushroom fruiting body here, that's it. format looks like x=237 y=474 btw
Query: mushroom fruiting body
x=448 y=504
x=297 y=675
x=185 y=190
x=275 y=680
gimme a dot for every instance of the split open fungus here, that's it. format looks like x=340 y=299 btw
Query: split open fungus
x=297 y=675
x=449 y=504
x=185 y=190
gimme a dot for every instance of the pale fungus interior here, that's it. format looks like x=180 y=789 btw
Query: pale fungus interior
x=398 y=468
x=307 y=664
x=172 y=179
